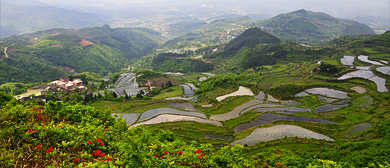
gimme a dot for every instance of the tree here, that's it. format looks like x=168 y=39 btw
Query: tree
x=162 y=85
x=50 y=97
x=169 y=84
x=141 y=92
x=127 y=97
x=114 y=95
x=70 y=78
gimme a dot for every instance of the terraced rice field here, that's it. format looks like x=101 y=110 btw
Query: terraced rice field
x=347 y=60
x=155 y=112
x=278 y=132
x=242 y=91
x=130 y=118
x=176 y=118
x=236 y=112
x=380 y=82
x=270 y=117
x=365 y=59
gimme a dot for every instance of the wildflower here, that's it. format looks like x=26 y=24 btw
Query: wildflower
x=151 y=154
x=197 y=165
x=166 y=152
x=102 y=144
x=28 y=122
x=98 y=159
x=202 y=154
x=156 y=156
x=38 y=146
x=98 y=152
x=162 y=157
x=181 y=152
x=60 y=119
x=89 y=142
x=28 y=131
x=77 y=159
x=98 y=140
x=102 y=155
x=49 y=150
x=199 y=157
x=151 y=141
x=199 y=151
x=109 y=159
x=60 y=125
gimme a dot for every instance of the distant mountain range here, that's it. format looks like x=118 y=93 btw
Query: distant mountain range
x=311 y=27
x=16 y=19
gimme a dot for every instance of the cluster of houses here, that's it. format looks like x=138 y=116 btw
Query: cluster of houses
x=64 y=83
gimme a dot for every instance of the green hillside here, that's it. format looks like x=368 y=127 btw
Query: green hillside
x=250 y=38
x=85 y=50
x=312 y=27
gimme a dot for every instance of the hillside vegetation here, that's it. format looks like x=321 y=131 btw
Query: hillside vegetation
x=47 y=54
x=312 y=27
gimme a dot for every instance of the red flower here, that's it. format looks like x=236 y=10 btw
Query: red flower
x=77 y=159
x=151 y=141
x=89 y=142
x=156 y=156
x=28 y=131
x=162 y=157
x=202 y=154
x=60 y=125
x=197 y=165
x=98 y=159
x=28 y=122
x=98 y=140
x=60 y=119
x=98 y=152
x=199 y=157
x=151 y=154
x=49 y=150
x=166 y=152
x=102 y=155
x=109 y=159
x=38 y=146
x=198 y=151
x=102 y=144
x=35 y=130
x=181 y=152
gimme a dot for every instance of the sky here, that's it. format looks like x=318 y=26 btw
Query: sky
x=338 y=8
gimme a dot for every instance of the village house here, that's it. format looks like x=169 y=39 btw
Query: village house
x=64 y=83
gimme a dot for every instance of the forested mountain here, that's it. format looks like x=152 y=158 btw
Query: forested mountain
x=312 y=27
x=16 y=19
x=251 y=38
x=97 y=49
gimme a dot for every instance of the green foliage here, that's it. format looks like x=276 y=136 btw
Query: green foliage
x=223 y=80
x=286 y=91
x=328 y=68
x=312 y=27
x=251 y=38
x=172 y=63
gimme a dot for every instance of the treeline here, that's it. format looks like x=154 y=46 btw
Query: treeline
x=172 y=63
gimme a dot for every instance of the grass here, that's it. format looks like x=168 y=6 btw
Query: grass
x=130 y=106
x=246 y=118
x=174 y=91
x=268 y=82
x=310 y=102
x=227 y=105
x=190 y=131
x=332 y=62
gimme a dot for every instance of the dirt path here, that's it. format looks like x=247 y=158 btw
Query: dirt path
x=5 y=51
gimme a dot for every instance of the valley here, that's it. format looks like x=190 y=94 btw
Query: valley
x=300 y=89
